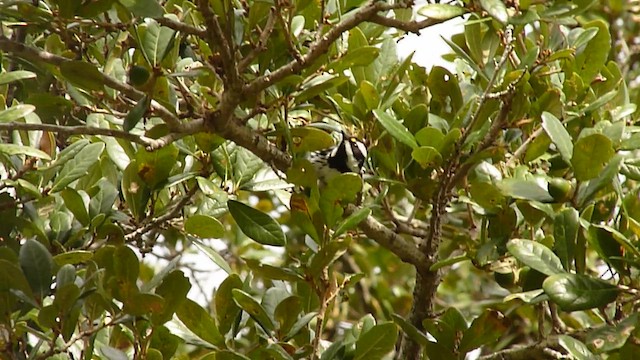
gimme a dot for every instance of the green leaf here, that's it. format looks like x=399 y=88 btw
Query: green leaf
x=575 y=348
x=430 y=136
x=485 y=329
x=144 y=8
x=497 y=9
x=302 y=322
x=83 y=75
x=156 y=42
x=135 y=191
x=590 y=155
x=73 y=257
x=125 y=264
x=536 y=256
x=155 y=167
x=17 y=75
x=593 y=58
x=16 y=112
x=204 y=226
x=226 y=308
x=199 y=322
x=395 y=128
x=309 y=138
x=565 y=232
x=369 y=94
x=253 y=308
x=12 y=277
x=256 y=224
x=358 y=57
x=377 y=342
x=174 y=290
x=140 y=304
x=352 y=221
x=37 y=264
x=441 y=11
x=74 y=202
x=13 y=149
x=272 y=272
x=558 y=134
x=69 y=152
x=524 y=189
x=427 y=156
x=328 y=254
x=286 y=313
x=605 y=339
x=212 y=254
x=573 y=292
x=78 y=166
x=409 y=329
x=136 y=113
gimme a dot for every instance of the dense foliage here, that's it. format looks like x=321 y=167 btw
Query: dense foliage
x=499 y=213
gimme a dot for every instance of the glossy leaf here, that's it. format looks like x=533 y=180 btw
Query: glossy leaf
x=497 y=9
x=135 y=191
x=79 y=166
x=558 y=134
x=155 y=167
x=376 y=342
x=156 y=42
x=200 y=322
x=536 y=256
x=395 y=128
x=253 y=308
x=16 y=75
x=565 y=231
x=226 y=308
x=16 y=112
x=37 y=264
x=352 y=221
x=256 y=224
x=13 y=149
x=83 y=74
x=524 y=189
x=441 y=11
x=573 y=292
x=204 y=226
x=213 y=255
x=590 y=155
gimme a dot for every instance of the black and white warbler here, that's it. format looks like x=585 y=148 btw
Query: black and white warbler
x=348 y=155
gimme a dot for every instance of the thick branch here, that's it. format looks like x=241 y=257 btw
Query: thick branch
x=395 y=243
x=231 y=128
x=35 y=54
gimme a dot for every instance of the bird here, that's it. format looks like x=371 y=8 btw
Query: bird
x=348 y=155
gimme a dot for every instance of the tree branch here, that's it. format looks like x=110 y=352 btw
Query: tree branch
x=262 y=42
x=408 y=26
x=395 y=243
x=320 y=46
x=216 y=39
x=79 y=130
x=181 y=27
x=35 y=54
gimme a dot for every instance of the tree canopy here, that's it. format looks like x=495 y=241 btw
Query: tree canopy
x=499 y=213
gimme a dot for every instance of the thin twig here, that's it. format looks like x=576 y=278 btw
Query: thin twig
x=262 y=42
x=78 y=130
